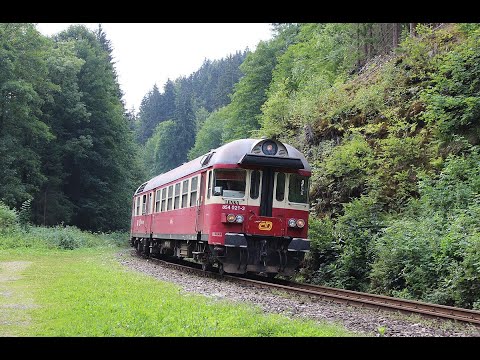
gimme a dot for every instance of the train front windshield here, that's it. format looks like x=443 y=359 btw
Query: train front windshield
x=298 y=189
x=230 y=183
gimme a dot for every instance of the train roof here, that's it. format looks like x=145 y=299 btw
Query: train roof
x=234 y=152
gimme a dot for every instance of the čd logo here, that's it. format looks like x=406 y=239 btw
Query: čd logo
x=265 y=225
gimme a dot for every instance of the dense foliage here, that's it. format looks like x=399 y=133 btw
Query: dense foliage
x=394 y=149
x=18 y=233
x=432 y=252
x=65 y=143
x=387 y=114
x=184 y=104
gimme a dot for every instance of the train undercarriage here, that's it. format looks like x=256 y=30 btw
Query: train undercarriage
x=242 y=254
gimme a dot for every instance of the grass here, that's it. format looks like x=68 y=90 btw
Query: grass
x=86 y=293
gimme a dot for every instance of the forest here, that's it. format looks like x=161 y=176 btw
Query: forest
x=388 y=115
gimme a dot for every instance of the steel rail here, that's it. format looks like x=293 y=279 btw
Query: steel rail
x=348 y=297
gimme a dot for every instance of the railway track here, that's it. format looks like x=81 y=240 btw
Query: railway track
x=348 y=297
x=382 y=302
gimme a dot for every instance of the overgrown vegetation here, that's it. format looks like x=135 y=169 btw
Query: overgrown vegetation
x=65 y=143
x=396 y=170
x=17 y=234
x=432 y=252
x=387 y=114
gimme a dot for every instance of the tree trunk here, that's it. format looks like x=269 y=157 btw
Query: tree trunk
x=370 y=41
x=45 y=207
x=413 y=27
x=359 y=46
x=367 y=41
x=396 y=35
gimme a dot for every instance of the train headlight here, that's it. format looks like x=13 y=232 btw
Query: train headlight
x=300 y=223
x=239 y=219
x=231 y=217
x=269 y=148
x=292 y=223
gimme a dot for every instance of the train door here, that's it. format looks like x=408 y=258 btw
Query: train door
x=147 y=212
x=266 y=197
x=141 y=225
x=200 y=211
x=266 y=220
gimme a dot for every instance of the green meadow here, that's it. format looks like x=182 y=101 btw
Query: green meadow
x=86 y=292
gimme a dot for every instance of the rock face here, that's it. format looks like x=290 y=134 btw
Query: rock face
x=365 y=322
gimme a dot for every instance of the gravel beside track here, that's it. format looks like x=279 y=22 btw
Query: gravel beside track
x=365 y=322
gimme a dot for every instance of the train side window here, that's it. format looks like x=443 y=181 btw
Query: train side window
x=150 y=203
x=298 y=189
x=164 y=199
x=185 y=193
x=170 y=198
x=280 y=193
x=137 y=209
x=209 y=187
x=157 y=201
x=255 y=184
x=176 y=203
x=144 y=204
x=193 y=191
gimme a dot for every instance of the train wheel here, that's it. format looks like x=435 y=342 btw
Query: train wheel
x=204 y=266
x=220 y=269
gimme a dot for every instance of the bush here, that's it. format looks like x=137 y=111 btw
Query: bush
x=355 y=232
x=323 y=250
x=453 y=100
x=8 y=218
x=60 y=237
x=342 y=174
x=341 y=253
x=25 y=213
x=404 y=258
x=433 y=252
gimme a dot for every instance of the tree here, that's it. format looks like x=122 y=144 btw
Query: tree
x=106 y=45
x=155 y=108
x=250 y=92
x=159 y=154
x=149 y=114
x=184 y=120
x=396 y=32
x=24 y=85
x=210 y=134
x=63 y=113
x=213 y=83
x=169 y=98
x=100 y=159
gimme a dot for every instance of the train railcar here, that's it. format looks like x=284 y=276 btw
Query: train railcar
x=242 y=207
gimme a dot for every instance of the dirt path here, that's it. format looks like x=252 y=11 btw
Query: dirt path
x=14 y=298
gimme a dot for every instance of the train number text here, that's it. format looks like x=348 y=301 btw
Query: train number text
x=233 y=207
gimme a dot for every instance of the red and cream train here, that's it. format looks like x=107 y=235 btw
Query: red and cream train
x=242 y=207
